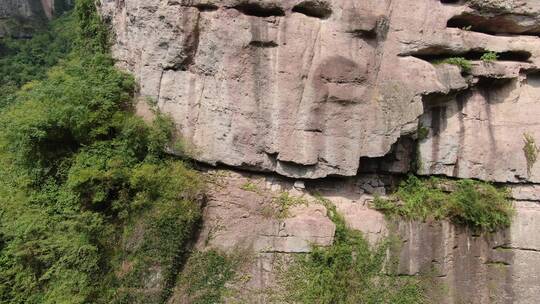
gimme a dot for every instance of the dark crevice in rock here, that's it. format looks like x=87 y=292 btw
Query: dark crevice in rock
x=433 y=54
x=263 y=44
x=207 y=7
x=450 y=1
x=313 y=130
x=506 y=247
x=495 y=24
x=364 y=34
x=258 y=10
x=523 y=56
x=490 y=84
x=397 y=160
x=245 y=169
x=203 y=7
x=314 y=8
x=497 y=263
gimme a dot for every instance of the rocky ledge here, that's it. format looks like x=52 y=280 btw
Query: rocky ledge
x=462 y=265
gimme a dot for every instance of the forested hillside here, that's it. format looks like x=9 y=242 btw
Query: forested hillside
x=90 y=204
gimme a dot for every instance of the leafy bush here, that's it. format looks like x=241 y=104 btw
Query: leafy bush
x=489 y=57
x=92 y=209
x=349 y=271
x=476 y=204
x=24 y=60
x=461 y=62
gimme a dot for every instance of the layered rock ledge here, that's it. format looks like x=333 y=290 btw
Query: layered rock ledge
x=462 y=265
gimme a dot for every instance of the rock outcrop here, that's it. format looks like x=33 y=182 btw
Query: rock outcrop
x=309 y=89
x=360 y=90
x=461 y=265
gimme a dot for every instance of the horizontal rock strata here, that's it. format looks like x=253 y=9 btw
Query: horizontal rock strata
x=464 y=266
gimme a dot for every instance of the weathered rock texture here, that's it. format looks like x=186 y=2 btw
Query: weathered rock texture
x=314 y=88
x=462 y=265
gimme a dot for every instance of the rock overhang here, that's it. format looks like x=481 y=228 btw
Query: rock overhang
x=308 y=89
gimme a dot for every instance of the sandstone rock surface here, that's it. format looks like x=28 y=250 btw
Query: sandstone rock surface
x=461 y=266
x=243 y=212
x=357 y=90
x=277 y=85
x=314 y=88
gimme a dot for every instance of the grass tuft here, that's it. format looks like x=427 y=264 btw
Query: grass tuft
x=461 y=62
x=489 y=56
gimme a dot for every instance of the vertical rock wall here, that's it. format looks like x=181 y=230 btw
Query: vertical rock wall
x=460 y=265
x=309 y=89
x=316 y=90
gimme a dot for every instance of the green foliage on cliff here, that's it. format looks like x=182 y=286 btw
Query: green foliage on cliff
x=350 y=271
x=530 y=150
x=461 y=62
x=489 y=56
x=476 y=204
x=92 y=34
x=92 y=209
x=205 y=277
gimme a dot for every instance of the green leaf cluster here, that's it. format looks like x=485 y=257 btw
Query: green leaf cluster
x=476 y=204
x=284 y=202
x=489 y=56
x=92 y=209
x=461 y=62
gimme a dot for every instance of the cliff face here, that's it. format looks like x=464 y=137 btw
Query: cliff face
x=359 y=89
x=461 y=265
x=312 y=88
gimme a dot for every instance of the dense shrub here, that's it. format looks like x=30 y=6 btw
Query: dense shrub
x=24 y=60
x=91 y=206
x=472 y=203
